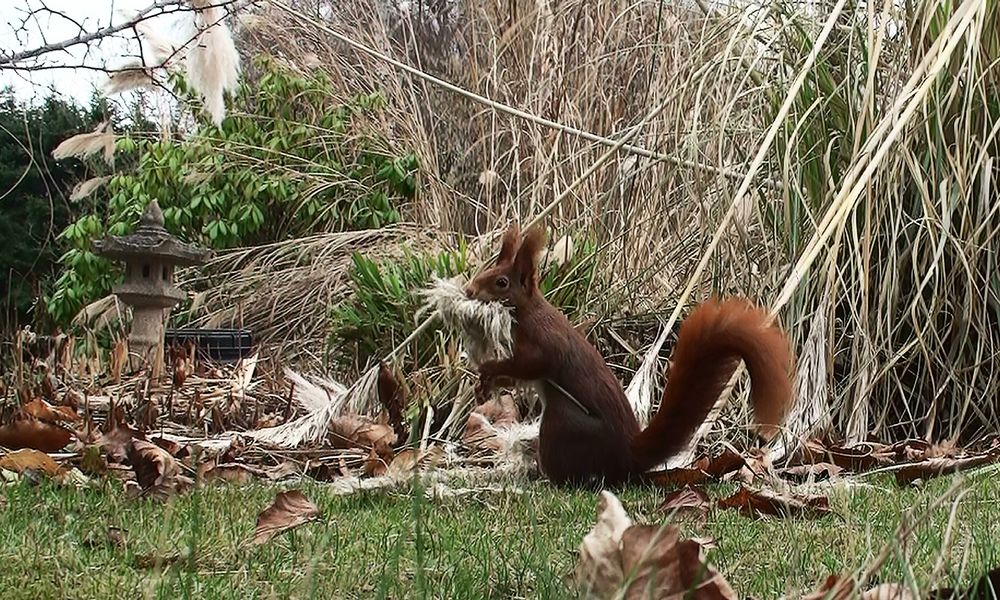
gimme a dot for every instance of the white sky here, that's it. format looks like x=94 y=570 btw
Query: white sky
x=47 y=28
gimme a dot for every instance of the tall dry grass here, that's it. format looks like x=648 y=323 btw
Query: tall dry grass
x=594 y=69
x=878 y=188
x=894 y=146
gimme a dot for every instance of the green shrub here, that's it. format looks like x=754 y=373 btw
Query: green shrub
x=380 y=312
x=285 y=162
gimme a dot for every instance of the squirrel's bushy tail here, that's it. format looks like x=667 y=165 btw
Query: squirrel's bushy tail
x=711 y=342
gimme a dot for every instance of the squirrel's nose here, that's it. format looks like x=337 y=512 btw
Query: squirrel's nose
x=469 y=293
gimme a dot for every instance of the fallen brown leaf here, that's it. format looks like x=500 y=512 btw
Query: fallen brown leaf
x=351 y=431
x=29 y=459
x=43 y=411
x=27 y=432
x=481 y=427
x=859 y=458
x=681 y=476
x=619 y=559
x=757 y=465
x=411 y=459
x=661 y=565
x=686 y=502
x=935 y=467
x=724 y=463
x=374 y=465
x=174 y=448
x=237 y=473
x=755 y=503
x=156 y=472
x=290 y=509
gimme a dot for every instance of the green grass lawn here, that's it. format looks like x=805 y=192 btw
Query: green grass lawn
x=383 y=544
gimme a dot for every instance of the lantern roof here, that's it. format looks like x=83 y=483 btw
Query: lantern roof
x=151 y=240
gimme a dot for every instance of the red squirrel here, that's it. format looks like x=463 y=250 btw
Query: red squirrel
x=589 y=435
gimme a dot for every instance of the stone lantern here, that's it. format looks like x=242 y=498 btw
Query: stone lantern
x=150 y=255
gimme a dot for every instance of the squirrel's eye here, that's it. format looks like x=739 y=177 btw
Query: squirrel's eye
x=502 y=282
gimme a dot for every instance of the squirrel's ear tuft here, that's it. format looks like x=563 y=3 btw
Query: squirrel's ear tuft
x=529 y=253
x=511 y=241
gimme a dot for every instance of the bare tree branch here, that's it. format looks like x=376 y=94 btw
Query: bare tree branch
x=16 y=60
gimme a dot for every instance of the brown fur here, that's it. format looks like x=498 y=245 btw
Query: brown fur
x=589 y=435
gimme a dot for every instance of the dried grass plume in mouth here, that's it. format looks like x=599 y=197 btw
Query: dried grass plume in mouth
x=484 y=327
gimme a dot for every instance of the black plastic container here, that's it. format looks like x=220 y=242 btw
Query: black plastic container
x=217 y=345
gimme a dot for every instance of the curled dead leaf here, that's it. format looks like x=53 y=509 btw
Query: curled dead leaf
x=116 y=442
x=858 y=458
x=290 y=509
x=686 y=502
x=727 y=461
x=938 y=466
x=485 y=420
x=29 y=459
x=352 y=431
x=156 y=472
x=695 y=474
x=237 y=473
x=757 y=465
x=43 y=411
x=374 y=465
x=27 y=432
x=412 y=459
x=756 y=503
x=174 y=448
x=619 y=559
x=661 y=565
